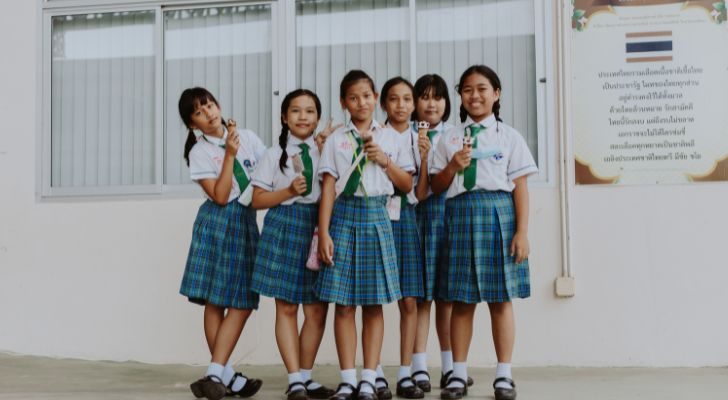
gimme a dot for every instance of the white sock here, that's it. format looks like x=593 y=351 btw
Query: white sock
x=295 y=377
x=239 y=383
x=380 y=374
x=459 y=370
x=306 y=376
x=228 y=373
x=348 y=376
x=215 y=369
x=368 y=375
x=503 y=370
x=419 y=363
x=405 y=372
x=446 y=358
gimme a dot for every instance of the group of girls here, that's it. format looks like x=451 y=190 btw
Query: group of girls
x=402 y=213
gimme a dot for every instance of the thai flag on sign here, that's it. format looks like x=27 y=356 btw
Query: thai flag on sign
x=649 y=46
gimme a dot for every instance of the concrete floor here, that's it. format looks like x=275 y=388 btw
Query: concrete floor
x=23 y=377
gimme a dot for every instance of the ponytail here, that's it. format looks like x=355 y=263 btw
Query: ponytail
x=189 y=143
x=283 y=142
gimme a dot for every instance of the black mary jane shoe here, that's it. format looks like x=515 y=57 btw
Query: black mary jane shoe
x=210 y=387
x=454 y=393
x=344 y=396
x=445 y=377
x=423 y=384
x=503 y=393
x=383 y=393
x=366 y=395
x=321 y=392
x=296 y=394
x=250 y=388
x=409 y=392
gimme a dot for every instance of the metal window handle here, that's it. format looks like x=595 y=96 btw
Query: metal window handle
x=275 y=93
x=542 y=80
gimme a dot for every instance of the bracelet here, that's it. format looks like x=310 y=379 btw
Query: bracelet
x=386 y=166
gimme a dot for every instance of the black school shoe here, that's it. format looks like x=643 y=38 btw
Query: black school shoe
x=344 y=396
x=383 y=393
x=321 y=392
x=409 y=392
x=366 y=395
x=454 y=393
x=423 y=384
x=250 y=388
x=502 y=393
x=298 y=394
x=210 y=387
x=444 y=378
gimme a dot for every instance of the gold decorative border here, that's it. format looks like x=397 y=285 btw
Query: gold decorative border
x=719 y=172
x=584 y=175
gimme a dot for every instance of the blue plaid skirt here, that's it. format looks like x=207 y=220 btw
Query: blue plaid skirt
x=431 y=222
x=220 y=261
x=365 y=262
x=480 y=227
x=280 y=263
x=409 y=256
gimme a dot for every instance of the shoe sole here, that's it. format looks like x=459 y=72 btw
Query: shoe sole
x=213 y=390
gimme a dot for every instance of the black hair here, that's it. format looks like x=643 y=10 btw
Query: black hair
x=189 y=101
x=351 y=78
x=435 y=86
x=283 y=138
x=388 y=86
x=491 y=76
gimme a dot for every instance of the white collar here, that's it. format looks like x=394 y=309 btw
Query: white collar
x=487 y=122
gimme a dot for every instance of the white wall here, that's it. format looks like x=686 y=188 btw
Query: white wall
x=99 y=279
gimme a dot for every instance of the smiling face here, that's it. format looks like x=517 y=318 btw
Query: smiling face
x=430 y=108
x=399 y=104
x=206 y=117
x=360 y=100
x=301 y=117
x=478 y=96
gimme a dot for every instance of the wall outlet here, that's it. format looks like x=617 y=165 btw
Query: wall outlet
x=565 y=286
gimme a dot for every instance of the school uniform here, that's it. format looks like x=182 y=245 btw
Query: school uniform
x=480 y=218
x=280 y=263
x=406 y=235
x=220 y=260
x=365 y=262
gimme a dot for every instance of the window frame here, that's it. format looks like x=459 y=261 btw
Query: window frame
x=283 y=80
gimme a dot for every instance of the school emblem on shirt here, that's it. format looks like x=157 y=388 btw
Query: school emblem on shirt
x=346 y=146
x=455 y=140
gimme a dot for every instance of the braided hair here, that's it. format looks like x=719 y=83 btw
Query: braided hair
x=491 y=76
x=283 y=138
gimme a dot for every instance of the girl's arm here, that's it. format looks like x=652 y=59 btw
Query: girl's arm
x=326 y=207
x=459 y=162
x=266 y=199
x=219 y=189
x=519 y=246
x=401 y=179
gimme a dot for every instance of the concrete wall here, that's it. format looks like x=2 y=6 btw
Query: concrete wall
x=99 y=279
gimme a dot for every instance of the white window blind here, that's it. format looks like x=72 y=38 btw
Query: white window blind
x=226 y=50
x=102 y=100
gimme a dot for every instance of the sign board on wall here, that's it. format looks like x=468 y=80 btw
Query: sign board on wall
x=650 y=91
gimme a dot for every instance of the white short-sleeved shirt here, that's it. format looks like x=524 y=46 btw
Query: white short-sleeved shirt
x=206 y=157
x=504 y=156
x=338 y=155
x=441 y=128
x=408 y=143
x=268 y=175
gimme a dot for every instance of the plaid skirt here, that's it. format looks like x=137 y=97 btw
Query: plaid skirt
x=409 y=256
x=480 y=227
x=365 y=262
x=280 y=263
x=220 y=261
x=431 y=222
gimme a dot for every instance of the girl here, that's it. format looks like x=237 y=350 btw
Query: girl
x=483 y=164
x=280 y=271
x=397 y=101
x=220 y=260
x=432 y=105
x=355 y=235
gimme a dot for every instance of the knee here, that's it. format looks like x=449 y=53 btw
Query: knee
x=408 y=306
x=241 y=314
x=316 y=313
x=462 y=309
x=285 y=309
x=345 y=311
x=369 y=312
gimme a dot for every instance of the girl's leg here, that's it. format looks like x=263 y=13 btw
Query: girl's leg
x=504 y=335
x=229 y=333
x=372 y=338
x=345 y=335
x=419 y=358
x=407 y=332
x=443 y=314
x=212 y=321
x=461 y=327
x=287 y=334
x=312 y=332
